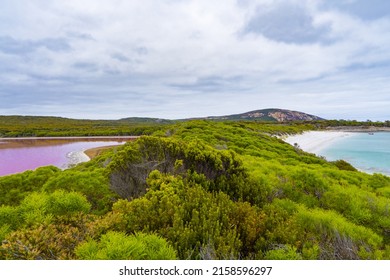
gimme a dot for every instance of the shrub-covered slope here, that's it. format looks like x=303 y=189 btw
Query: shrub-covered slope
x=198 y=190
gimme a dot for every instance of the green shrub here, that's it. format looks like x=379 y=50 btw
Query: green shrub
x=63 y=203
x=93 y=185
x=119 y=246
x=286 y=252
x=344 y=165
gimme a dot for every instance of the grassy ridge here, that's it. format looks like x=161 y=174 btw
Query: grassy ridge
x=198 y=190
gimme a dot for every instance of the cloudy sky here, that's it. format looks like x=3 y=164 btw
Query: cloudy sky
x=109 y=59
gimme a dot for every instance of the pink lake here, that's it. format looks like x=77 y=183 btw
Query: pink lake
x=18 y=155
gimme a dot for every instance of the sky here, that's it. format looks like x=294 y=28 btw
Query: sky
x=111 y=59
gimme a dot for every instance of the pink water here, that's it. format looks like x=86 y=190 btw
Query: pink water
x=21 y=155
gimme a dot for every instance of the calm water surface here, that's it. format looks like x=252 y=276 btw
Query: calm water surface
x=369 y=153
x=21 y=155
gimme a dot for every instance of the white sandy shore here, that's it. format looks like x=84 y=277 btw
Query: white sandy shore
x=316 y=141
x=76 y=158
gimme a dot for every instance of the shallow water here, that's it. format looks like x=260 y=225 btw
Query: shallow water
x=28 y=154
x=369 y=153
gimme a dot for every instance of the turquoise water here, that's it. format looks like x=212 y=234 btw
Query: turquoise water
x=369 y=153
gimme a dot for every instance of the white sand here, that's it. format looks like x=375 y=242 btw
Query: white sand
x=76 y=158
x=315 y=141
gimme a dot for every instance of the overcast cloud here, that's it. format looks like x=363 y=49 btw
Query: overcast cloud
x=110 y=59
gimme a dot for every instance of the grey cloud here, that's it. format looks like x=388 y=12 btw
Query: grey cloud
x=85 y=99
x=86 y=66
x=366 y=10
x=82 y=36
x=121 y=57
x=141 y=50
x=210 y=84
x=54 y=44
x=287 y=23
x=25 y=94
x=11 y=45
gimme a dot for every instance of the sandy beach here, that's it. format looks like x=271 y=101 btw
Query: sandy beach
x=315 y=141
x=75 y=158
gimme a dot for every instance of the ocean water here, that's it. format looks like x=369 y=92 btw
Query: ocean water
x=368 y=153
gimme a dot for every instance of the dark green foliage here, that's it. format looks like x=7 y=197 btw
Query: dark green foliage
x=15 y=188
x=343 y=165
x=199 y=224
x=345 y=124
x=130 y=167
x=378 y=181
x=56 y=240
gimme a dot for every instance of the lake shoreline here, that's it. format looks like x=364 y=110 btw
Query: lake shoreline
x=23 y=142
x=68 y=138
x=94 y=152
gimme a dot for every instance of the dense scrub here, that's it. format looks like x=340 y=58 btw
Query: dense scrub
x=26 y=126
x=198 y=190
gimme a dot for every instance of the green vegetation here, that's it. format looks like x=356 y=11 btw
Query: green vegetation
x=26 y=126
x=198 y=190
x=353 y=123
x=118 y=246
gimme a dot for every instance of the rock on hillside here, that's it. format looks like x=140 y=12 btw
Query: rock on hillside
x=278 y=115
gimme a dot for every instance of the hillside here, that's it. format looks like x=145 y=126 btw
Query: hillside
x=198 y=190
x=40 y=126
x=278 y=115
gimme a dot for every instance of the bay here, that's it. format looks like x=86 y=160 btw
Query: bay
x=368 y=152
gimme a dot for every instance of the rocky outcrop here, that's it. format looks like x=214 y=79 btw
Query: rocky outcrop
x=285 y=115
x=278 y=115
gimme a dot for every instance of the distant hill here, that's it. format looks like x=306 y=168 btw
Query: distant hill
x=277 y=115
x=39 y=126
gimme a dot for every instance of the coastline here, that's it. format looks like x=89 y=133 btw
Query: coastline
x=365 y=129
x=22 y=142
x=94 y=152
x=69 y=137
x=316 y=141
x=77 y=157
